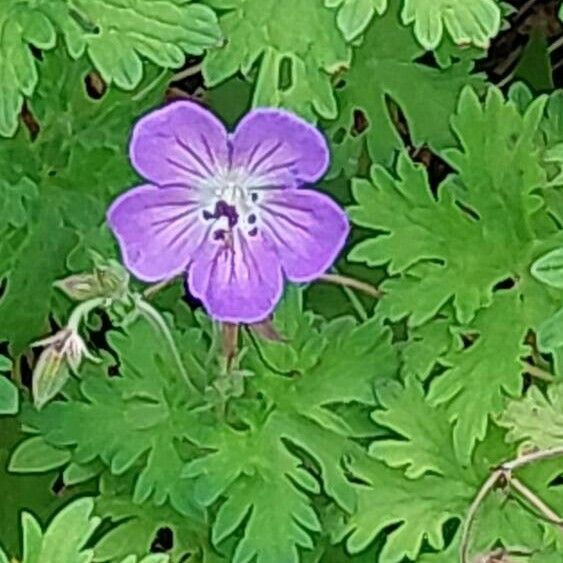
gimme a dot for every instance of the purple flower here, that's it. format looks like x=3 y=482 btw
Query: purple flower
x=228 y=208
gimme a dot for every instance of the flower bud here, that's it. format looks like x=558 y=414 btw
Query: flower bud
x=109 y=280
x=49 y=376
x=80 y=287
x=63 y=354
x=113 y=279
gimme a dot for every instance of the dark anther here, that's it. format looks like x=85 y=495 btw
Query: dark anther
x=219 y=234
x=223 y=209
x=252 y=218
x=254 y=197
x=253 y=232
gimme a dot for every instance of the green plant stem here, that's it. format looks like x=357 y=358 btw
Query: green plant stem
x=186 y=73
x=150 y=87
x=505 y=471
x=353 y=283
x=82 y=311
x=536 y=502
x=155 y=318
x=152 y=290
x=356 y=303
x=538 y=372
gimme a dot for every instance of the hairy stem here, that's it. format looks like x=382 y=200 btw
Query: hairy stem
x=531 y=458
x=156 y=319
x=152 y=290
x=186 y=73
x=536 y=502
x=487 y=486
x=353 y=283
x=505 y=471
x=83 y=310
x=538 y=372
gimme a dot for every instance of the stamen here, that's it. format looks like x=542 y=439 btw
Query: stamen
x=253 y=232
x=222 y=209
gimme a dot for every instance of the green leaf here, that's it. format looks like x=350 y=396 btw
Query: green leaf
x=32 y=491
x=492 y=362
x=67 y=535
x=421 y=443
x=35 y=455
x=355 y=15
x=147 y=405
x=294 y=46
x=134 y=527
x=534 y=67
x=536 y=421
x=379 y=84
x=67 y=176
x=5 y=363
x=549 y=268
x=9 y=397
x=431 y=240
x=256 y=475
x=423 y=448
x=117 y=36
x=19 y=25
x=135 y=29
x=426 y=343
x=268 y=495
x=550 y=332
x=467 y=21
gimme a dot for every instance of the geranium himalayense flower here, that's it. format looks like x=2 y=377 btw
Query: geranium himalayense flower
x=228 y=209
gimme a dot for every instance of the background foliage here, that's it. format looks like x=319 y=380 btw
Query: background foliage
x=366 y=432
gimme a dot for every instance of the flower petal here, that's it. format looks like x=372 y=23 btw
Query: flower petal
x=157 y=230
x=242 y=284
x=180 y=144
x=278 y=148
x=307 y=228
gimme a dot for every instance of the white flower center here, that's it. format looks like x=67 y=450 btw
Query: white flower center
x=231 y=202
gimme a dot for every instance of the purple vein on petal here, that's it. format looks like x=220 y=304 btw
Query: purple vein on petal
x=252 y=258
x=179 y=234
x=185 y=168
x=283 y=205
x=268 y=154
x=251 y=155
x=233 y=274
x=280 y=166
x=284 y=217
x=276 y=234
x=173 y=204
x=204 y=239
x=208 y=150
x=195 y=156
x=173 y=218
